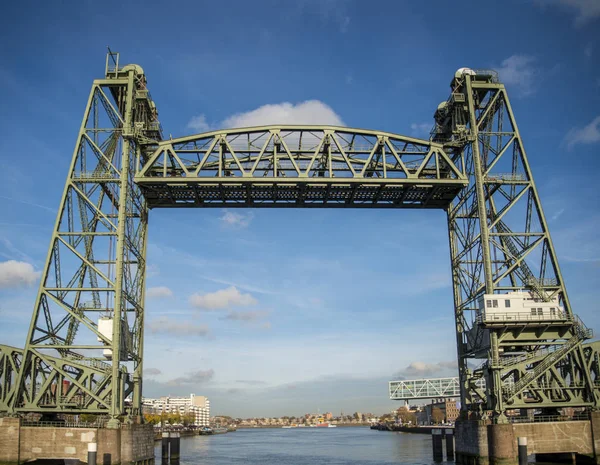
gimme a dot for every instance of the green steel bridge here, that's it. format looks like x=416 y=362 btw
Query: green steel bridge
x=83 y=352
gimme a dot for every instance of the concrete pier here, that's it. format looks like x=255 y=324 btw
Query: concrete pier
x=129 y=445
x=449 y=445
x=437 y=445
x=479 y=442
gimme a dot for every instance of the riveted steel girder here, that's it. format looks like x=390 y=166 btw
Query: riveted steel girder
x=299 y=166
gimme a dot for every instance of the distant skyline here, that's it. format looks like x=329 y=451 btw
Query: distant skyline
x=282 y=312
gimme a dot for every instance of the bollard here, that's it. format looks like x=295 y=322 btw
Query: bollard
x=175 y=441
x=449 y=445
x=522 y=442
x=436 y=441
x=165 y=447
x=92 y=453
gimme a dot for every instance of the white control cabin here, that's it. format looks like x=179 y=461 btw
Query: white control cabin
x=105 y=327
x=519 y=306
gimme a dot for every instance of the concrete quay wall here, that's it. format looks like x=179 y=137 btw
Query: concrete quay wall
x=481 y=443
x=133 y=444
x=557 y=437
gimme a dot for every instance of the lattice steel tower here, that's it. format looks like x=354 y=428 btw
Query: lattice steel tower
x=84 y=347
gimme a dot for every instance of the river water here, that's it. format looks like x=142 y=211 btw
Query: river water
x=306 y=446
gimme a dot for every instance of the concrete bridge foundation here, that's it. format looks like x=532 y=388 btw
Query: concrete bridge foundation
x=479 y=442
x=129 y=445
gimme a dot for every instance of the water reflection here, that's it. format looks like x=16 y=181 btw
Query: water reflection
x=339 y=446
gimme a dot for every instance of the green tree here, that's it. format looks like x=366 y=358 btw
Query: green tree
x=88 y=417
x=173 y=418
x=407 y=417
x=437 y=416
x=188 y=419
x=151 y=418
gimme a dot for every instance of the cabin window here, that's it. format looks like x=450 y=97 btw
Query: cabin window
x=495 y=303
x=507 y=303
x=540 y=312
x=533 y=311
x=489 y=304
x=553 y=311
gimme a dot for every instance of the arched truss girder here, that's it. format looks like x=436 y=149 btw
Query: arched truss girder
x=308 y=166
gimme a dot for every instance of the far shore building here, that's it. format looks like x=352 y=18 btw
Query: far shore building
x=448 y=407
x=199 y=406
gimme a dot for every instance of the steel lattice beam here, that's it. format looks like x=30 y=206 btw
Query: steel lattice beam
x=299 y=166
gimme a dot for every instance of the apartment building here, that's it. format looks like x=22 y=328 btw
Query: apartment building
x=199 y=406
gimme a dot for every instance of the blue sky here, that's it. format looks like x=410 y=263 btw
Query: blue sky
x=280 y=312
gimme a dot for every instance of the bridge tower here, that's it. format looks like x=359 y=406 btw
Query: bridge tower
x=84 y=347
x=500 y=245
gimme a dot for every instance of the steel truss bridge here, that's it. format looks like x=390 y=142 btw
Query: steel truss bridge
x=474 y=167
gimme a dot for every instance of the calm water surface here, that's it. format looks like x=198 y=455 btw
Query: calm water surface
x=333 y=446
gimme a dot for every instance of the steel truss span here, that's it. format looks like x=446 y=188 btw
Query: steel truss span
x=84 y=347
x=300 y=166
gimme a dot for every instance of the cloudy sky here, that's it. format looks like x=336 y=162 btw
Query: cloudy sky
x=281 y=312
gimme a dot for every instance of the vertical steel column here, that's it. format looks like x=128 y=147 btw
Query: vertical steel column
x=458 y=316
x=117 y=397
x=139 y=369
x=495 y=390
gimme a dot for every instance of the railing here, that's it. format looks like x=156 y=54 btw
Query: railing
x=541 y=282
x=488 y=72
x=64 y=424
x=550 y=418
x=506 y=177
x=94 y=364
x=510 y=361
x=95 y=175
x=560 y=317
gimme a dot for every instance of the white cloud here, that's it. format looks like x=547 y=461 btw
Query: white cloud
x=199 y=124
x=586 y=135
x=421 y=129
x=164 y=325
x=518 y=71
x=194 y=378
x=420 y=369
x=246 y=317
x=152 y=270
x=222 y=299
x=17 y=274
x=558 y=214
x=158 y=292
x=152 y=371
x=236 y=220
x=330 y=12
x=309 y=112
x=585 y=10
